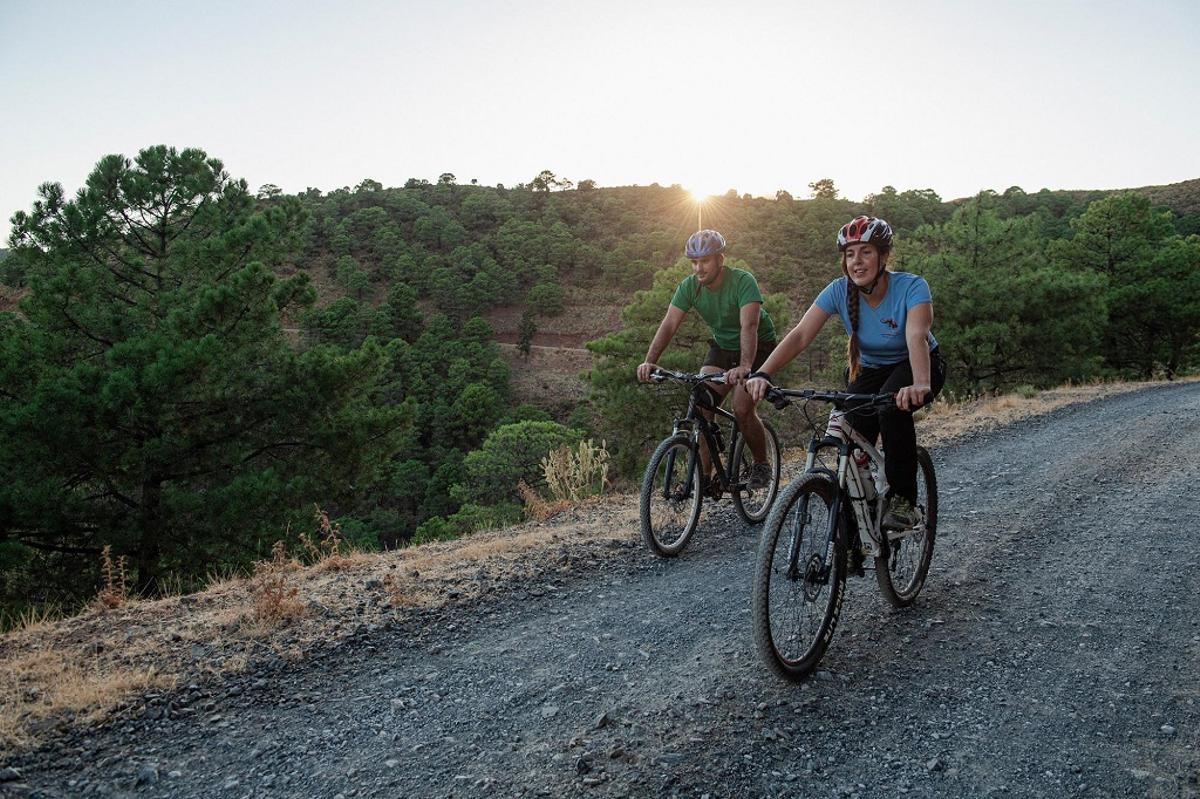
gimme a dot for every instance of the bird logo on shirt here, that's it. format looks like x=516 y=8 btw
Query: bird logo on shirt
x=890 y=323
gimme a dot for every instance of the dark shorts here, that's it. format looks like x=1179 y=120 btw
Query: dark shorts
x=727 y=359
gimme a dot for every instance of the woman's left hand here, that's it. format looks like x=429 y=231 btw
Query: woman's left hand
x=910 y=398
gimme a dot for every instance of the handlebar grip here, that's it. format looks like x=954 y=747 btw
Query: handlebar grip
x=777 y=398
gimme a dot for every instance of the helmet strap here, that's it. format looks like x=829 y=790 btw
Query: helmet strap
x=868 y=289
x=878 y=276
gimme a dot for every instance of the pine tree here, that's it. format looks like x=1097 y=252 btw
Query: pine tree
x=150 y=399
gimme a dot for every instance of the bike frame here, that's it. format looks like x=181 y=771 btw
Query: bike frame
x=851 y=483
x=696 y=425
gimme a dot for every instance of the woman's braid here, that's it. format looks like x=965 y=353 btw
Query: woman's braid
x=852 y=310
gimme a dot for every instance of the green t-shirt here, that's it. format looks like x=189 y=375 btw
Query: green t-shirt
x=721 y=309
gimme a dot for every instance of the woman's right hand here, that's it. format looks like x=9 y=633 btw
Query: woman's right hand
x=757 y=387
x=644 y=370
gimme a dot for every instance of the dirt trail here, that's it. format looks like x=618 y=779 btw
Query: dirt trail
x=1053 y=652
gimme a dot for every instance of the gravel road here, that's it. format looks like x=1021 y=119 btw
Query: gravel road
x=1054 y=652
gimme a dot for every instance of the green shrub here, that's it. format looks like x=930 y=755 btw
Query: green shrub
x=511 y=453
x=546 y=299
x=434 y=529
x=468 y=519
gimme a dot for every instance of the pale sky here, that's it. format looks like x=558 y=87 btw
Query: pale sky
x=756 y=96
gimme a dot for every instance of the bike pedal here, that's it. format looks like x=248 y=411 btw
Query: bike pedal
x=894 y=533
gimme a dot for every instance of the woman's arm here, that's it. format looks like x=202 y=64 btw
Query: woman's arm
x=916 y=334
x=794 y=343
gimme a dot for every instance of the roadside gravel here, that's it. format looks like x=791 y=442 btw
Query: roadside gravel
x=1054 y=652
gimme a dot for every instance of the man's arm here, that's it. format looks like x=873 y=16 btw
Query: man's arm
x=666 y=331
x=749 y=316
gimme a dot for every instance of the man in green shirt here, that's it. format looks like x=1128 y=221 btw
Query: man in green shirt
x=743 y=335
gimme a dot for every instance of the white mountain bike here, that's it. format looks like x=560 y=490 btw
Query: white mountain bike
x=826 y=523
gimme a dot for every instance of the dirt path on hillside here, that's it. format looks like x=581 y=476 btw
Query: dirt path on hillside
x=1053 y=652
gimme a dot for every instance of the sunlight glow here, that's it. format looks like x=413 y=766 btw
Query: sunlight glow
x=700 y=198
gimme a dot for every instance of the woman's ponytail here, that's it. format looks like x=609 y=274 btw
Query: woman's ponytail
x=852 y=351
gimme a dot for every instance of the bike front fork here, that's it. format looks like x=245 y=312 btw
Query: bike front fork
x=794 y=571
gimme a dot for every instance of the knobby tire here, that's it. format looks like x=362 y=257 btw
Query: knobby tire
x=670 y=500
x=794 y=617
x=903 y=564
x=754 y=505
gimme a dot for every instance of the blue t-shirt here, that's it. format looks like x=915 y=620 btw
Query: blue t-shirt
x=881 y=339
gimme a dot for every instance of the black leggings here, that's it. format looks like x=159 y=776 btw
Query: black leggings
x=899 y=434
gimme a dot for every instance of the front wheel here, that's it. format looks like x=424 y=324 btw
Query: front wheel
x=797 y=592
x=671 y=496
x=753 y=495
x=903 y=563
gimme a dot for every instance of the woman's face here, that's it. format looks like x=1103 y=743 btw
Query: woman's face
x=863 y=263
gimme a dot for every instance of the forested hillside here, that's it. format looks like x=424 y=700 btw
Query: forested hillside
x=196 y=371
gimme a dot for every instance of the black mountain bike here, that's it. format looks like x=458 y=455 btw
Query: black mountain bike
x=827 y=523
x=672 y=490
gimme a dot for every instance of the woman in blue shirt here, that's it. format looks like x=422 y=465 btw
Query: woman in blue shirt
x=887 y=316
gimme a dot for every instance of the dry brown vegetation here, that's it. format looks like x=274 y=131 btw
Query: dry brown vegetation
x=574 y=473
x=90 y=666
x=945 y=421
x=115 y=590
x=86 y=668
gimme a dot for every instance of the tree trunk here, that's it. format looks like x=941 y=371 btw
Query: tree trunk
x=149 y=542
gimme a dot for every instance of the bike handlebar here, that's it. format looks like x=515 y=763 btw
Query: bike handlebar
x=780 y=398
x=660 y=374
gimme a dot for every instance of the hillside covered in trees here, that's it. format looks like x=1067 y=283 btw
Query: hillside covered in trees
x=195 y=371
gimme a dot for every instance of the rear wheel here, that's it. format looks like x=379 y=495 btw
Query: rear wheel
x=903 y=563
x=753 y=501
x=797 y=593
x=671 y=496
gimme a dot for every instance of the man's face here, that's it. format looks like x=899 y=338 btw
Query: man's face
x=708 y=268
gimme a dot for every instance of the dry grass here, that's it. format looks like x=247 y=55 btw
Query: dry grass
x=37 y=618
x=573 y=473
x=82 y=669
x=536 y=507
x=43 y=686
x=944 y=421
x=115 y=591
x=274 y=596
x=330 y=551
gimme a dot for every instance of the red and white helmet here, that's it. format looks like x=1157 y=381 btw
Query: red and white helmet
x=865 y=230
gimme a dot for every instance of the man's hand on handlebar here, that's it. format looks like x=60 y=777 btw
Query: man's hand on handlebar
x=910 y=398
x=644 y=370
x=736 y=375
